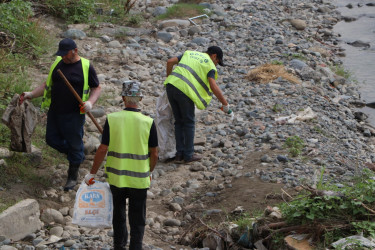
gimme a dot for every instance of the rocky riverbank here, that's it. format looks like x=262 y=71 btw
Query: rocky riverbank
x=248 y=149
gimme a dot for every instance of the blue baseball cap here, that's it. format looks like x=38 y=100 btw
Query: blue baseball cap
x=65 y=46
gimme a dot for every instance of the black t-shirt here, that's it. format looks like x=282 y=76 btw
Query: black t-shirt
x=152 y=140
x=62 y=100
x=210 y=74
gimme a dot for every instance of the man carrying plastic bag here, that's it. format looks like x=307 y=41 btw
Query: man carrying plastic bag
x=93 y=205
x=130 y=138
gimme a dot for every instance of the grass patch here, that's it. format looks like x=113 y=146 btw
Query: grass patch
x=5 y=136
x=181 y=10
x=4 y=204
x=20 y=168
x=341 y=71
x=277 y=62
x=295 y=145
x=134 y=20
x=277 y=108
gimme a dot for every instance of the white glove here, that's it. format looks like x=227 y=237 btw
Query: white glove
x=90 y=179
x=24 y=96
x=27 y=95
x=225 y=108
x=87 y=106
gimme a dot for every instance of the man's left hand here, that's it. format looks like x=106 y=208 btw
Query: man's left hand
x=86 y=107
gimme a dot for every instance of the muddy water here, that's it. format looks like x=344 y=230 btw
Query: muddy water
x=359 y=61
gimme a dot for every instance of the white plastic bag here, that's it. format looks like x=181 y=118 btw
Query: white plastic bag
x=165 y=126
x=93 y=206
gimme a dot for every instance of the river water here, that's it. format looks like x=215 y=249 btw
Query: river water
x=359 y=61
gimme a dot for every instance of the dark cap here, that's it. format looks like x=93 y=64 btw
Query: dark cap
x=65 y=45
x=219 y=53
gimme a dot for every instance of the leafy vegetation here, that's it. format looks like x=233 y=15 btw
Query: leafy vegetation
x=183 y=10
x=294 y=144
x=23 y=36
x=93 y=11
x=277 y=62
x=277 y=108
x=72 y=11
x=339 y=212
x=23 y=42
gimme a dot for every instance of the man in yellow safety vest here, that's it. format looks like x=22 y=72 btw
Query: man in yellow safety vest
x=192 y=82
x=65 y=118
x=130 y=138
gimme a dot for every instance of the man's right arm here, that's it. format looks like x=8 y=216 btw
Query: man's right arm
x=170 y=63
x=217 y=91
x=38 y=91
x=153 y=158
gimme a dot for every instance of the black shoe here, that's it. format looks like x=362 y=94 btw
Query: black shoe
x=178 y=158
x=71 y=182
x=119 y=248
x=194 y=158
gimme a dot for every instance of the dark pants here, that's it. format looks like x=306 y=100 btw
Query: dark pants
x=183 y=109
x=137 y=217
x=65 y=133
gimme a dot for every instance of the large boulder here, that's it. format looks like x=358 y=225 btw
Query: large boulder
x=20 y=220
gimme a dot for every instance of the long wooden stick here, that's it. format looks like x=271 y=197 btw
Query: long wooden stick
x=79 y=100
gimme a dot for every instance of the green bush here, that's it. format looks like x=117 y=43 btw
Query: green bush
x=28 y=37
x=294 y=144
x=344 y=207
x=23 y=43
x=74 y=11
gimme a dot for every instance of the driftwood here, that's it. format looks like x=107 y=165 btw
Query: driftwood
x=128 y=5
x=315 y=192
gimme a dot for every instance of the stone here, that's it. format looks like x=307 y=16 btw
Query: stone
x=51 y=215
x=172 y=222
x=298 y=24
x=74 y=34
x=165 y=36
x=174 y=22
x=20 y=220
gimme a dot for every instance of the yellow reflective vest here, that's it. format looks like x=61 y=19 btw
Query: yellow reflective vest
x=128 y=160
x=190 y=76
x=47 y=92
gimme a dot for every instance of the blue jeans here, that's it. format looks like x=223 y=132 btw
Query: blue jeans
x=137 y=217
x=65 y=133
x=184 y=126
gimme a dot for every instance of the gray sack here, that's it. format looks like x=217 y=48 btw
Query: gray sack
x=21 y=120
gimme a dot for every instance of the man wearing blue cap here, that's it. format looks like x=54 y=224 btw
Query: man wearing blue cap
x=131 y=140
x=65 y=118
x=192 y=83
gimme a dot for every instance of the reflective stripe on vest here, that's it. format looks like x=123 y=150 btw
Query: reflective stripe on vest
x=190 y=76
x=46 y=102
x=128 y=162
